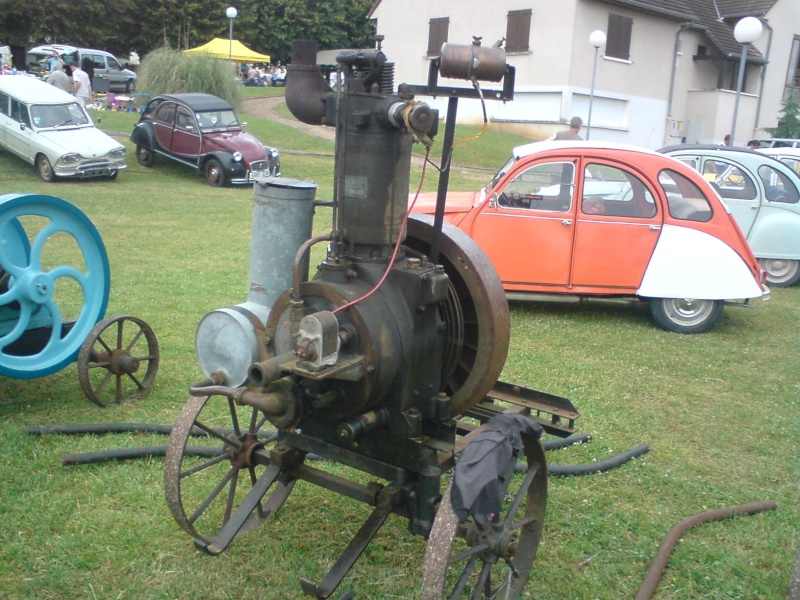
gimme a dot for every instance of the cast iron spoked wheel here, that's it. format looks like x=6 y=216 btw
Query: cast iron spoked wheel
x=145 y=156
x=781 y=272
x=686 y=315
x=118 y=361
x=215 y=176
x=215 y=499
x=476 y=314
x=45 y=169
x=491 y=558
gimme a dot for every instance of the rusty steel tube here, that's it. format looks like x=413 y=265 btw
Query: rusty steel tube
x=656 y=570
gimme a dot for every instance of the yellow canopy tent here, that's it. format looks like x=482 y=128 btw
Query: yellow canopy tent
x=235 y=50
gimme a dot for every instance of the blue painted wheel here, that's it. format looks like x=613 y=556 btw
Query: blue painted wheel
x=54 y=283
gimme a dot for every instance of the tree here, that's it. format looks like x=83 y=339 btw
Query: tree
x=122 y=26
x=789 y=123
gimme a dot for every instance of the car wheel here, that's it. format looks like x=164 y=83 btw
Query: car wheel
x=45 y=168
x=781 y=272
x=145 y=157
x=686 y=315
x=215 y=176
x=130 y=85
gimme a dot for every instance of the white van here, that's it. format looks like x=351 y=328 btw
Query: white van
x=103 y=64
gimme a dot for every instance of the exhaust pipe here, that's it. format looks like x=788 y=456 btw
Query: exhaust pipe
x=305 y=86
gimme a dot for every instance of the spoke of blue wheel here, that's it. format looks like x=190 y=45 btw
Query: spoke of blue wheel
x=22 y=324
x=464 y=578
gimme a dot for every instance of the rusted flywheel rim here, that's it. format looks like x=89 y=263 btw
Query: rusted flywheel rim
x=513 y=540
x=127 y=349
x=238 y=442
x=478 y=301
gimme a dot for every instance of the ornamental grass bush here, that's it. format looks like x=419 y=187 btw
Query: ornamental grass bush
x=167 y=71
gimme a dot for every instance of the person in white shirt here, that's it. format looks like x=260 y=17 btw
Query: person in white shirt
x=83 y=87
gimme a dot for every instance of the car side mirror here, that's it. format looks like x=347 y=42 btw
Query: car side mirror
x=493 y=200
x=244 y=124
x=22 y=127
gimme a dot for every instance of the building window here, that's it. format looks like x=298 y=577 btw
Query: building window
x=518 y=31
x=793 y=75
x=437 y=35
x=618 y=44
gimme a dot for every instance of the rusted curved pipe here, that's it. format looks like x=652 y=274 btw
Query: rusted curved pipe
x=656 y=570
x=306 y=88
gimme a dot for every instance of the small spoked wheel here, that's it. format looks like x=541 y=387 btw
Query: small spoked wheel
x=214 y=499
x=118 y=361
x=781 y=272
x=491 y=557
x=686 y=315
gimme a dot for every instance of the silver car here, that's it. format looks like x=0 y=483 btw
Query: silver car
x=763 y=194
x=46 y=127
x=102 y=65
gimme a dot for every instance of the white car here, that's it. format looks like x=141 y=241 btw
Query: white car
x=46 y=127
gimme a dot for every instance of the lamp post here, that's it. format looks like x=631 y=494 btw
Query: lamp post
x=231 y=13
x=596 y=38
x=746 y=32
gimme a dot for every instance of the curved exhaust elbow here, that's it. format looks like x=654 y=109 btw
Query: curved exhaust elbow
x=306 y=88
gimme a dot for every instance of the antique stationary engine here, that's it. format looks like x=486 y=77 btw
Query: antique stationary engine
x=373 y=362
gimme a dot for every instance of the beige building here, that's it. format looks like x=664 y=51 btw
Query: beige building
x=667 y=72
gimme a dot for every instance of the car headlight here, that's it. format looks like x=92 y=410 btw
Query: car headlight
x=237 y=156
x=117 y=153
x=70 y=158
x=273 y=153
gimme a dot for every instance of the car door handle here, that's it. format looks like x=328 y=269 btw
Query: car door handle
x=655 y=227
x=754 y=206
x=566 y=222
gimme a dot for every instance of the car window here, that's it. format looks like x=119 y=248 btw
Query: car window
x=611 y=191
x=729 y=180
x=692 y=161
x=19 y=112
x=546 y=186
x=217 y=119
x=685 y=201
x=4 y=104
x=166 y=114
x=778 y=187
x=152 y=107
x=113 y=64
x=185 y=119
x=96 y=60
x=792 y=163
x=49 y=115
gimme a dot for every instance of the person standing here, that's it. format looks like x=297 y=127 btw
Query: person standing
x=83 y=88
x=59 y=79
x=55 y=63
x=575 y=124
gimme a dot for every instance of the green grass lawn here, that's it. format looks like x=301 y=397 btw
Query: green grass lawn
x=719 y=411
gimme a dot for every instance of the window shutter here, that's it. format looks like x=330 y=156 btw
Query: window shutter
x=618 y=44
x=437 y=35
x=518 y=30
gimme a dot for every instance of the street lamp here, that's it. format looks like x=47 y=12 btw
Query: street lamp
x=231 y=13
x=746 y=32
x=596 y=38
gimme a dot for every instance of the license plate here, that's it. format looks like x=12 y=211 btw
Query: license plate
x=96 y=172
x=258 y=174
